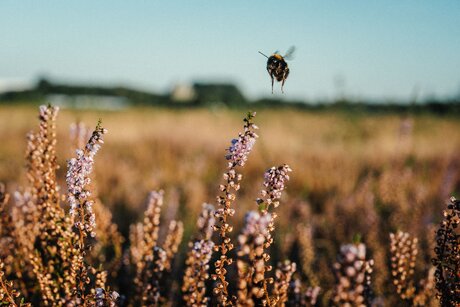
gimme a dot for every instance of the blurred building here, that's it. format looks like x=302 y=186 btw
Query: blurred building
x=183 y=93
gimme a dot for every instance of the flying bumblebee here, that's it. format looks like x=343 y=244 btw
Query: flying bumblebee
x=277 y=67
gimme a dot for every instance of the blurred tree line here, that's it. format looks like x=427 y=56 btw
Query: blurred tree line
x=218 y=94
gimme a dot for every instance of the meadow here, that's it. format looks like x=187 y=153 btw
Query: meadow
x=361 y=220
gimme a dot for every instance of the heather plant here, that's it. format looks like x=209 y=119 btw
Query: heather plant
x=8 y=295
x=53 y=250
x=172 y=242
x=7 y=235
x=404 y=252
x=198 y=258
x=54 y=254
x=147 y=257
x=237 y=156
x=81 y=211
x=298 y=296
x=284 y=273
x=252 y=260
x=71 y=249
x=152 y=261
x=106 y=249
x=274 y=185
x=196 y=273
x=254 y=241
x=447 y=259
x=353 y=273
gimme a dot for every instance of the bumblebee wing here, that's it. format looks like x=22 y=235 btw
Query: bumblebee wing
x=290 y=53
x=276 y=52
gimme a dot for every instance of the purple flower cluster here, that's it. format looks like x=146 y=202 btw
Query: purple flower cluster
x=350 y=252
x=353 y=276
x=275 y=179
x=47 y=113
x=196 y=273
x=256 y=229
x=251 y=255
x=155 y=199
x=202 y=251
x=104 y=298
x=78 y=179
x=240 y=148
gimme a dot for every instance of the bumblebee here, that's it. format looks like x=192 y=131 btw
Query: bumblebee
x=277 y=67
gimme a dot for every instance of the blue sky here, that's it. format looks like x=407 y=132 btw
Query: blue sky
x=389 y=49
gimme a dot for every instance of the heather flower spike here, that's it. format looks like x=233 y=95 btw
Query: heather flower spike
x=240 y=148
x=447 y=259
x=353 y=274
x=252 y=258
x=196 y=273
x=275 y=180
x=78 y=180
x=274 y=184
x=197 y=262
x=237 y=156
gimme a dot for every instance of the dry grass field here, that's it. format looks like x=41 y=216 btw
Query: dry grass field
x=356 y=179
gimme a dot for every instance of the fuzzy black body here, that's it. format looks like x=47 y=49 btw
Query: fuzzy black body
x=277 y=69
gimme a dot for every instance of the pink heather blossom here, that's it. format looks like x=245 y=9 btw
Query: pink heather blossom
x=256 y=226
x=275 y=179
x=78 y=179
x=239 y=151
x=202 y=250
x=240 y=148
x=104 y=298
x=352 y=251
x=48 y=112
